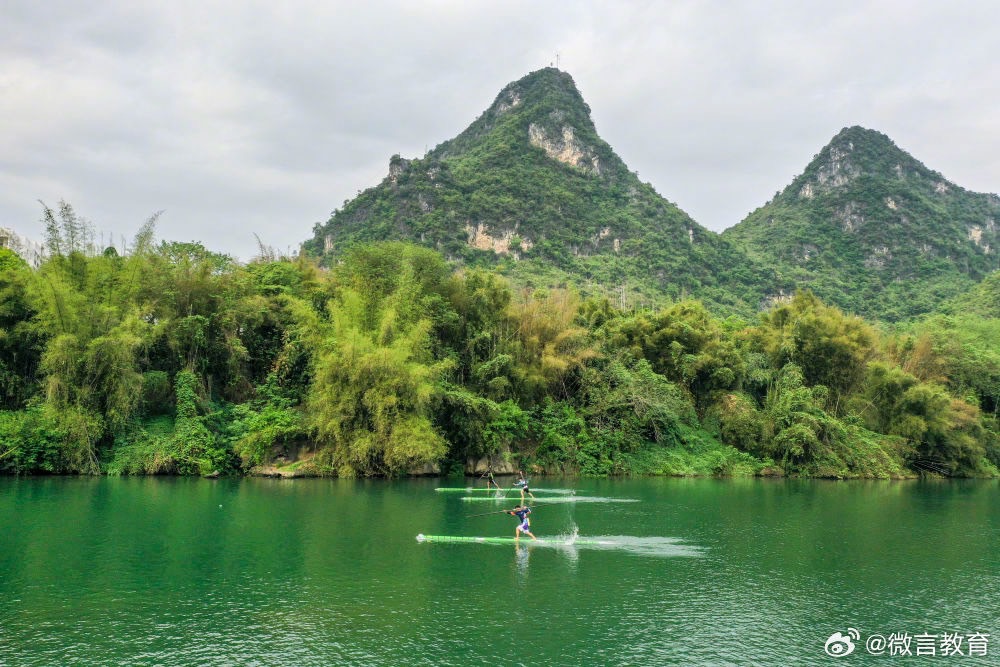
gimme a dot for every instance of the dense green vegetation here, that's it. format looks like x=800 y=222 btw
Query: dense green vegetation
x=171 y=358
x=872 y=230
x=532 y=177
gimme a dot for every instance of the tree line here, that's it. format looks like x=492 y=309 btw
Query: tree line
x=170 y=358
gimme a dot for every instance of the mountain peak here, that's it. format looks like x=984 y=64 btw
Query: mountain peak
x=547 y=85
x=867 y=209
x=861 y=134
x=859 y=153
x=868 y=146
x=543 y=109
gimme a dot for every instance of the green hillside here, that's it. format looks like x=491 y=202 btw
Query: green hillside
x=869 y=228
x=982 y=300
x=530 y=189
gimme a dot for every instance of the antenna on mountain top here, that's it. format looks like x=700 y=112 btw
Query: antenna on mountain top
x=557 y=60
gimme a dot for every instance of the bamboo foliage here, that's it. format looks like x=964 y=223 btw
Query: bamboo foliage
x=371 y=397
x=169 y=358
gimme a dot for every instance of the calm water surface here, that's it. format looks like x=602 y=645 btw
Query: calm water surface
x=320 y=572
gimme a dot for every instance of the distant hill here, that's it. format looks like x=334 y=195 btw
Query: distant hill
x=871 y=229
x=531 y=189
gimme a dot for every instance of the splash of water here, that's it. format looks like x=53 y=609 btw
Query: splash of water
x=647 y=546
x=583 y=499
x=663 y=547
x=569 y=539
x=570 y=544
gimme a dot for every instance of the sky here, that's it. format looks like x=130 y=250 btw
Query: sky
x=243 y=120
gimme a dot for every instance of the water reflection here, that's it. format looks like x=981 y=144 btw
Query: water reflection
x=522 y=555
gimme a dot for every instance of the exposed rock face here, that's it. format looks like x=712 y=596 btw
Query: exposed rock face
x=850 y=218
x=507 y=243
x=838 y=170
x=878 y=258
x=976 y=236
x=605 y=232
x=882 y=219
x=509 y=98
x=426 y=470
x=500 y=466
x=565 y=148
x=397 y=166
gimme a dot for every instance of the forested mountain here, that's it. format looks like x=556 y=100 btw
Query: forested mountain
x=532 y=190
x=871 y=229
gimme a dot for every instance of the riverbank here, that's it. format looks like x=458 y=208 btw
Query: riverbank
x=161 y=448
x=700 y=456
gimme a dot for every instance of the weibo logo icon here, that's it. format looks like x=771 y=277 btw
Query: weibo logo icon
x=839 y=645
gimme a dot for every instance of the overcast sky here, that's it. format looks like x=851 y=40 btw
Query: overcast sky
x=241 y=118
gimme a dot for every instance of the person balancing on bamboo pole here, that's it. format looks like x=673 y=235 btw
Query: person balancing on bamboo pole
x=525 y=525
x=522 y=483
x=490 y=482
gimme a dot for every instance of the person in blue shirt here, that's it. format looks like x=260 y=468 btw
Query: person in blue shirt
x=525 y=525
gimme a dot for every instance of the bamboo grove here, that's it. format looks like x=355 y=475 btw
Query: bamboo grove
x=166 y=357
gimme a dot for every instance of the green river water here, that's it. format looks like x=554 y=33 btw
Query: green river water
x=162 y=571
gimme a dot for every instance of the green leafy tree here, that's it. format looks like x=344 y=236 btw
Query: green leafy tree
x=686 y=345
x=831 y=349
x=371 y=396
x=21 y=339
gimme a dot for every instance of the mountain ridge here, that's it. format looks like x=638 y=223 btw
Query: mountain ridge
x=531 y=190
